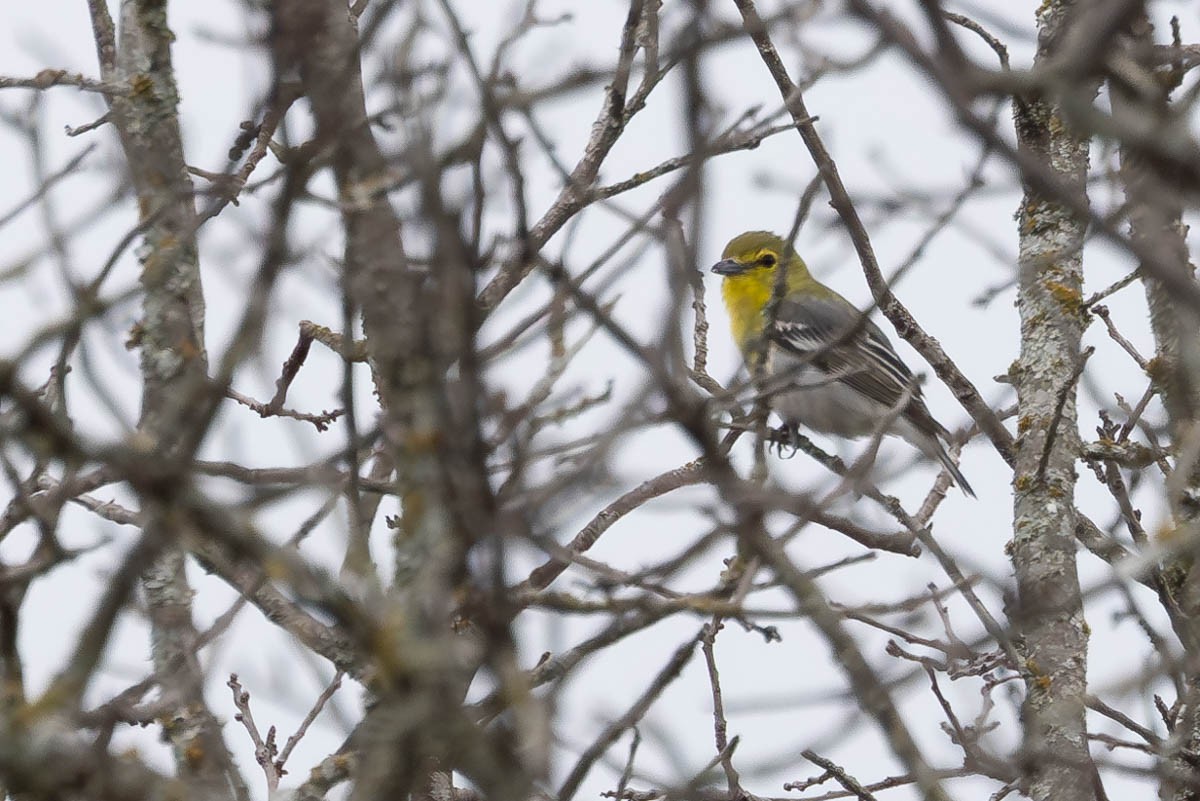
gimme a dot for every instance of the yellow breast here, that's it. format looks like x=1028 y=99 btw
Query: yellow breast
x=745 y=299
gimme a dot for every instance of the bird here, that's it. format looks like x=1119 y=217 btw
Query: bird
x=826 y=365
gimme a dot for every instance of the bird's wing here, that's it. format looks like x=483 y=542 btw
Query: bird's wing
x=832 y=336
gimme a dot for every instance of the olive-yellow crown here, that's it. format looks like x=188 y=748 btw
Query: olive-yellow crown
x=758 y=247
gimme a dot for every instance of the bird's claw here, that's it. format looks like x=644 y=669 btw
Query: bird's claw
x=786 y=441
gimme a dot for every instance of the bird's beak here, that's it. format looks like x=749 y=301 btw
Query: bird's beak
x=728 y=267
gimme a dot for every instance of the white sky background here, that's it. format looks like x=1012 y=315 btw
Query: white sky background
x=889 y=134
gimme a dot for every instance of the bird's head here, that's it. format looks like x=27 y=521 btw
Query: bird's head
x=755 y=258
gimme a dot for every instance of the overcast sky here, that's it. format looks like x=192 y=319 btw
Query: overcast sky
x=890 y=134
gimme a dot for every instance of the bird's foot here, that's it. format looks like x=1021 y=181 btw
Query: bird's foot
x=786 y=440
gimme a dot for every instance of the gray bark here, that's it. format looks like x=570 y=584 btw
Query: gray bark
x=174 y=370
x=1055 y=758
x=415 y=324
x=1155 y=221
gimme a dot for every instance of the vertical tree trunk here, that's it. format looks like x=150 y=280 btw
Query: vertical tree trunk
x=1155 y=221
x=1056 y=760
x=416 y=325
x=174 y=371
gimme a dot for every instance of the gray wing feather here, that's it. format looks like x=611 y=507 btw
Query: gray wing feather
x=832 y=336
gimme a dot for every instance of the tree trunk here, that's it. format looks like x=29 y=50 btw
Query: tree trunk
x=1055 y=758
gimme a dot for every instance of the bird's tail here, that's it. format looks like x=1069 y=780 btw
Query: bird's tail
x=952 y=469
x=929 y=439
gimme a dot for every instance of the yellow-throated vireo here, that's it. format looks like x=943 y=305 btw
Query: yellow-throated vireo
x=825 y=364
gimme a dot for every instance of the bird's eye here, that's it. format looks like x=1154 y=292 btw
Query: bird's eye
x=767 y=260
